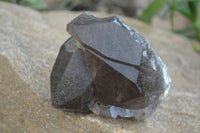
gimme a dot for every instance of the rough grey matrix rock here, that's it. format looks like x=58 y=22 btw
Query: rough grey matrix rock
x=108 y=68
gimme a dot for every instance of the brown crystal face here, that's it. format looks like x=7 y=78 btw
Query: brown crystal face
x=109 y=69
x=110 y=86
x=106 y=37
x=70 y=79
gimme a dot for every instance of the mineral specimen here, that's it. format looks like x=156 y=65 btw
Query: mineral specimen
x=109 y=69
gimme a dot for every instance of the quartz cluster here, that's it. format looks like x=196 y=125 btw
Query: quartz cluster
x=109 y=69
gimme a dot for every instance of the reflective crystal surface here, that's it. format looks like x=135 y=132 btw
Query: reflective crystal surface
x=109 y=69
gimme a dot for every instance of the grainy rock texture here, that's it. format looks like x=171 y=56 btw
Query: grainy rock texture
x=29 y=44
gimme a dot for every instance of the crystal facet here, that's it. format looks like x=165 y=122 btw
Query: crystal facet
x=109 y=69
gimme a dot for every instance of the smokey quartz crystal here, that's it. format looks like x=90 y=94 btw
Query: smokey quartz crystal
x=109 y=69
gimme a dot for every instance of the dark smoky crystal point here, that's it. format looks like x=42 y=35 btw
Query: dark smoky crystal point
x=109 y=69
